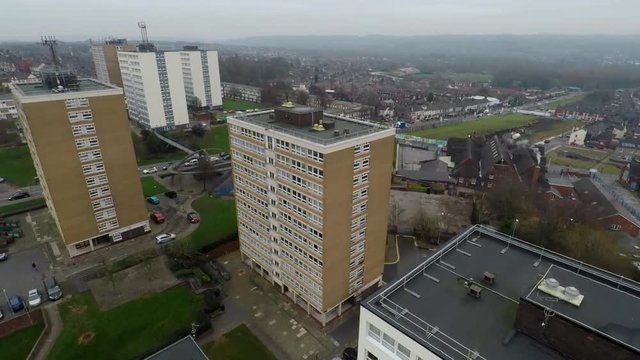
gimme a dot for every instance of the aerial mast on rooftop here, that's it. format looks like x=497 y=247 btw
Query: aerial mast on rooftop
x=51 y=42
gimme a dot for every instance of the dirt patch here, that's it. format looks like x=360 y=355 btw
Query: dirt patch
x=457 y=210
x=78 y=309
x=86 y=337
x=221 y=340
x=147 y=278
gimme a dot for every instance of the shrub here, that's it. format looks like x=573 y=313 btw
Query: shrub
x=201 y=276
x=183 y=273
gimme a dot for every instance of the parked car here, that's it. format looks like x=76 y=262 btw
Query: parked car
x=1 y=314
x=224 y=156
x=163 y=238
x=1 y=180
x=214 y=158
x=157 y=217
x=192 y=162
x=153 y=200
x=152 y=170
x=171 y=194
x=166 y=166
x=19 y=195
x=349 y=354
x=34 y=298
x=3 y=256
x=53 y=289
x=16 y=304
x=193 y=217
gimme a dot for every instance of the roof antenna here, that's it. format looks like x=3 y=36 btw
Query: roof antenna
x=143 y=31
x=51 y=42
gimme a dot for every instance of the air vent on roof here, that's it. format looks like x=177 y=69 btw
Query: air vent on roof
x=475 y=290
x=551 y=282
x=336 y=132
x=346 y=131
x=569 y=294
x=489 y=278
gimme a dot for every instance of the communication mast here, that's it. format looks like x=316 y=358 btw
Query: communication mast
x=51 y=43
x=145 y=45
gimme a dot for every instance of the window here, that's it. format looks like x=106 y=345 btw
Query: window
x=97 y=180
x=76 y=103
x=388 y=342
x=360 y=194
x=99 y=192
x=370 y=356
x=362 y=148
x=108 y=225
x=403 y=353
x=374 y=333
x=105 y=214
x=86 y=143
x=615 y=227
x=77 y=116
x=102 y=203
x=82 y=245
x=473 y=181
x=93 y=168
x=87 y=129
x=92 y=155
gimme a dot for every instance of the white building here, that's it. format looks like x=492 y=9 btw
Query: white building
x=577 y=137
x=159 y=85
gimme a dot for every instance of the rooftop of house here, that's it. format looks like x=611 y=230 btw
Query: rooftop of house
x=37 y=89
x=432 y=171
x=185 y=348
x=432 y=305
x=343 y=128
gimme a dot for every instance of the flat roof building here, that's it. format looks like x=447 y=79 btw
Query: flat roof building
x=80 y=143
x=161 y=85
x=487 y=295
x=105 y=60
x=312 y=193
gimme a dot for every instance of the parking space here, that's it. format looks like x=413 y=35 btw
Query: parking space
x=17 y=275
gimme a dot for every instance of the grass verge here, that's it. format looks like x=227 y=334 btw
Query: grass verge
x=143 y=157
x=216 y=138
x=479 y=126
x=127 y=331
x=238 y=344
x=18 y=345
x=238 y=105
x=150 y=186
x=22 y=206
x=17 y=166
x=218 y=221
x=555 y=129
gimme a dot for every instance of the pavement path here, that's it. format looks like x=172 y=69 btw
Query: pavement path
x=54 y=322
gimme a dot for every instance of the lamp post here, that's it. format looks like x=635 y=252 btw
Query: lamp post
x=515 y=224
x=439 y=228
x=513 y=232
x=7 y=298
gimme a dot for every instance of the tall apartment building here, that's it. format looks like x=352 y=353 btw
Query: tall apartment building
x=159 y=85
x=312 y=193
x=80 y=142
x=105 y=60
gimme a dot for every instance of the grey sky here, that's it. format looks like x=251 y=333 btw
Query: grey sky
x=210 y=20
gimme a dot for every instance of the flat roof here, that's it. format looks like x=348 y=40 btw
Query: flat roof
x=37 y=89
x=354 y=127
x=431 y=304
x=183 y=349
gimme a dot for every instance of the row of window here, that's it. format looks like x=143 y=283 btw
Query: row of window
x=305 y=255
x=102 y=203
x=108 y=225
x=360 y=179
x=248 y=249
x=246 y=206
x=306 y=200
x=314 y=286
x=303 y=240
x=356 y=249
x=249 y=172
x=247 y=195
x=86 y=143
x=76 y=103
x=105 y=214
x=300 y=225
x=300 y=150
x=313 y=218
x=356 y=273
x=96 y=180
x=358 y=235
x=94 y=168
x=308 y=295
x=246 y=132
x=300 y=166
x=361 y=164
x=360 y=194
x=300 y=263
x=303 y=183
x=99 y=192
x=357 y=261
x=92 y=155
x=252 y=221
x=359 y=208
x=251 y=185
x=77 y=116
x=247 y=159
x=258 y=150
x=85 y=129
x=358 y=222
x=388 y=342
x=258 y=239
x=362 y=148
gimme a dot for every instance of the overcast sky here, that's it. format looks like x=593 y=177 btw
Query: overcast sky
x=215 y=20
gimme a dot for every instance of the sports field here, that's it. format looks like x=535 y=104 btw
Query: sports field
x=479 y=126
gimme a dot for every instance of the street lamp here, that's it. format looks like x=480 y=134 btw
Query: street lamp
x=7 y=298
x=440 y=228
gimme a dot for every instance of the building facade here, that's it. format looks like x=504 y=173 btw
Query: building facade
x=8 y=109
x=159 y=86
x=312 y=193
x=242 y=92
x=81 y=147
x=105 y=60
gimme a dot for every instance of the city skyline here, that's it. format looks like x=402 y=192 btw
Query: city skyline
x=218 y=21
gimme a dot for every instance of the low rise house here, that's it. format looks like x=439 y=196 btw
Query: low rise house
x=241 y=92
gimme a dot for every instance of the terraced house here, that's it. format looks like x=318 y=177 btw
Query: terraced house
x=312 y=194
x=79 y=138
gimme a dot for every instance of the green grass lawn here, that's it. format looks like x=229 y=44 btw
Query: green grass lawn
x=144 y=158
x=555 y=158
x=16 y=165
x=218 y=220
x=556 y=129
x=479 y=126
x=216 y=138
x=238 y=344
x=150 y=186
x=18 y=345
x=564 y=102
x=238 y=105
x=127 y=331
x=608 y=168
x=23 y=205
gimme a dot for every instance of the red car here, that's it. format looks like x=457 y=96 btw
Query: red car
x=157 y=217
x=193 y=218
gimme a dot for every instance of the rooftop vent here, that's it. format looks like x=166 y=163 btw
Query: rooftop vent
x=569 y=294
x=551 y=282
x=336 y=132
x=474 y=291
x=346 y=131
x=489 y=278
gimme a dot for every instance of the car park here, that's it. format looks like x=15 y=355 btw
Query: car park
x=152 y=170
x=16 y=304
x=53 y=289
x=19 y=195
x=34 y=298
x=193 y=217
x=157 y=217
x=164 y=238
x=154 y=200
x=171 y=194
